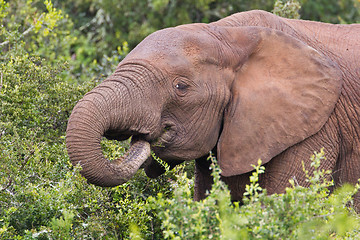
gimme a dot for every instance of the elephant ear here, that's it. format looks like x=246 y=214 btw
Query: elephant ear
x=283 y=93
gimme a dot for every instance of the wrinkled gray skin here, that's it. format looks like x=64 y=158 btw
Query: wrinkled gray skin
x=252 y=85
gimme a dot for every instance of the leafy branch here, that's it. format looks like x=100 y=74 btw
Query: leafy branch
x=253 y=189
x=48 y=19
x=24 y=34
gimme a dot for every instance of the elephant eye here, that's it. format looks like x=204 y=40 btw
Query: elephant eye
x=181 y=86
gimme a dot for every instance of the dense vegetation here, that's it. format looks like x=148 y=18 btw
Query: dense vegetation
x=52 y=52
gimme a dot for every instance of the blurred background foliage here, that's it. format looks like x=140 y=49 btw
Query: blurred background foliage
x=51 y=54
x=105 y=24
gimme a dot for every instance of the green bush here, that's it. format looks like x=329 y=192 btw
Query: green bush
x=54 y=52
x=332 y=11
x=287 y=9
x=299 y=213
x=41 y=195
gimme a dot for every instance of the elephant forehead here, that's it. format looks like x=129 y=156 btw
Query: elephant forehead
x=191 y=49
x=172 y=43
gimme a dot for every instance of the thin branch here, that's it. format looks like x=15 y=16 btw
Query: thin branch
x=7 y=186
x=26 y=159
x=26 y=32
x=4 y=43
x=22 y=35
x=23 y=164
x=1 y=81
x=295 y=181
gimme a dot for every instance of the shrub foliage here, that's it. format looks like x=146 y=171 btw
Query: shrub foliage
x=299 y=213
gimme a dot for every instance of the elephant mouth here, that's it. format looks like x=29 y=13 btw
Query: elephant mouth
x=159 y=144
x=166 y=137
x=162 y=140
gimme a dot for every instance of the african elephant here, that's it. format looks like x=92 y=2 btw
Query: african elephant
x=252 y=85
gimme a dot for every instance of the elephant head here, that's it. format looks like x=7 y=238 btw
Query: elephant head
x=250 y=92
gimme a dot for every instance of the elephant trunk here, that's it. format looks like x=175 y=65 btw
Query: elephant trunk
x=97 y=114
